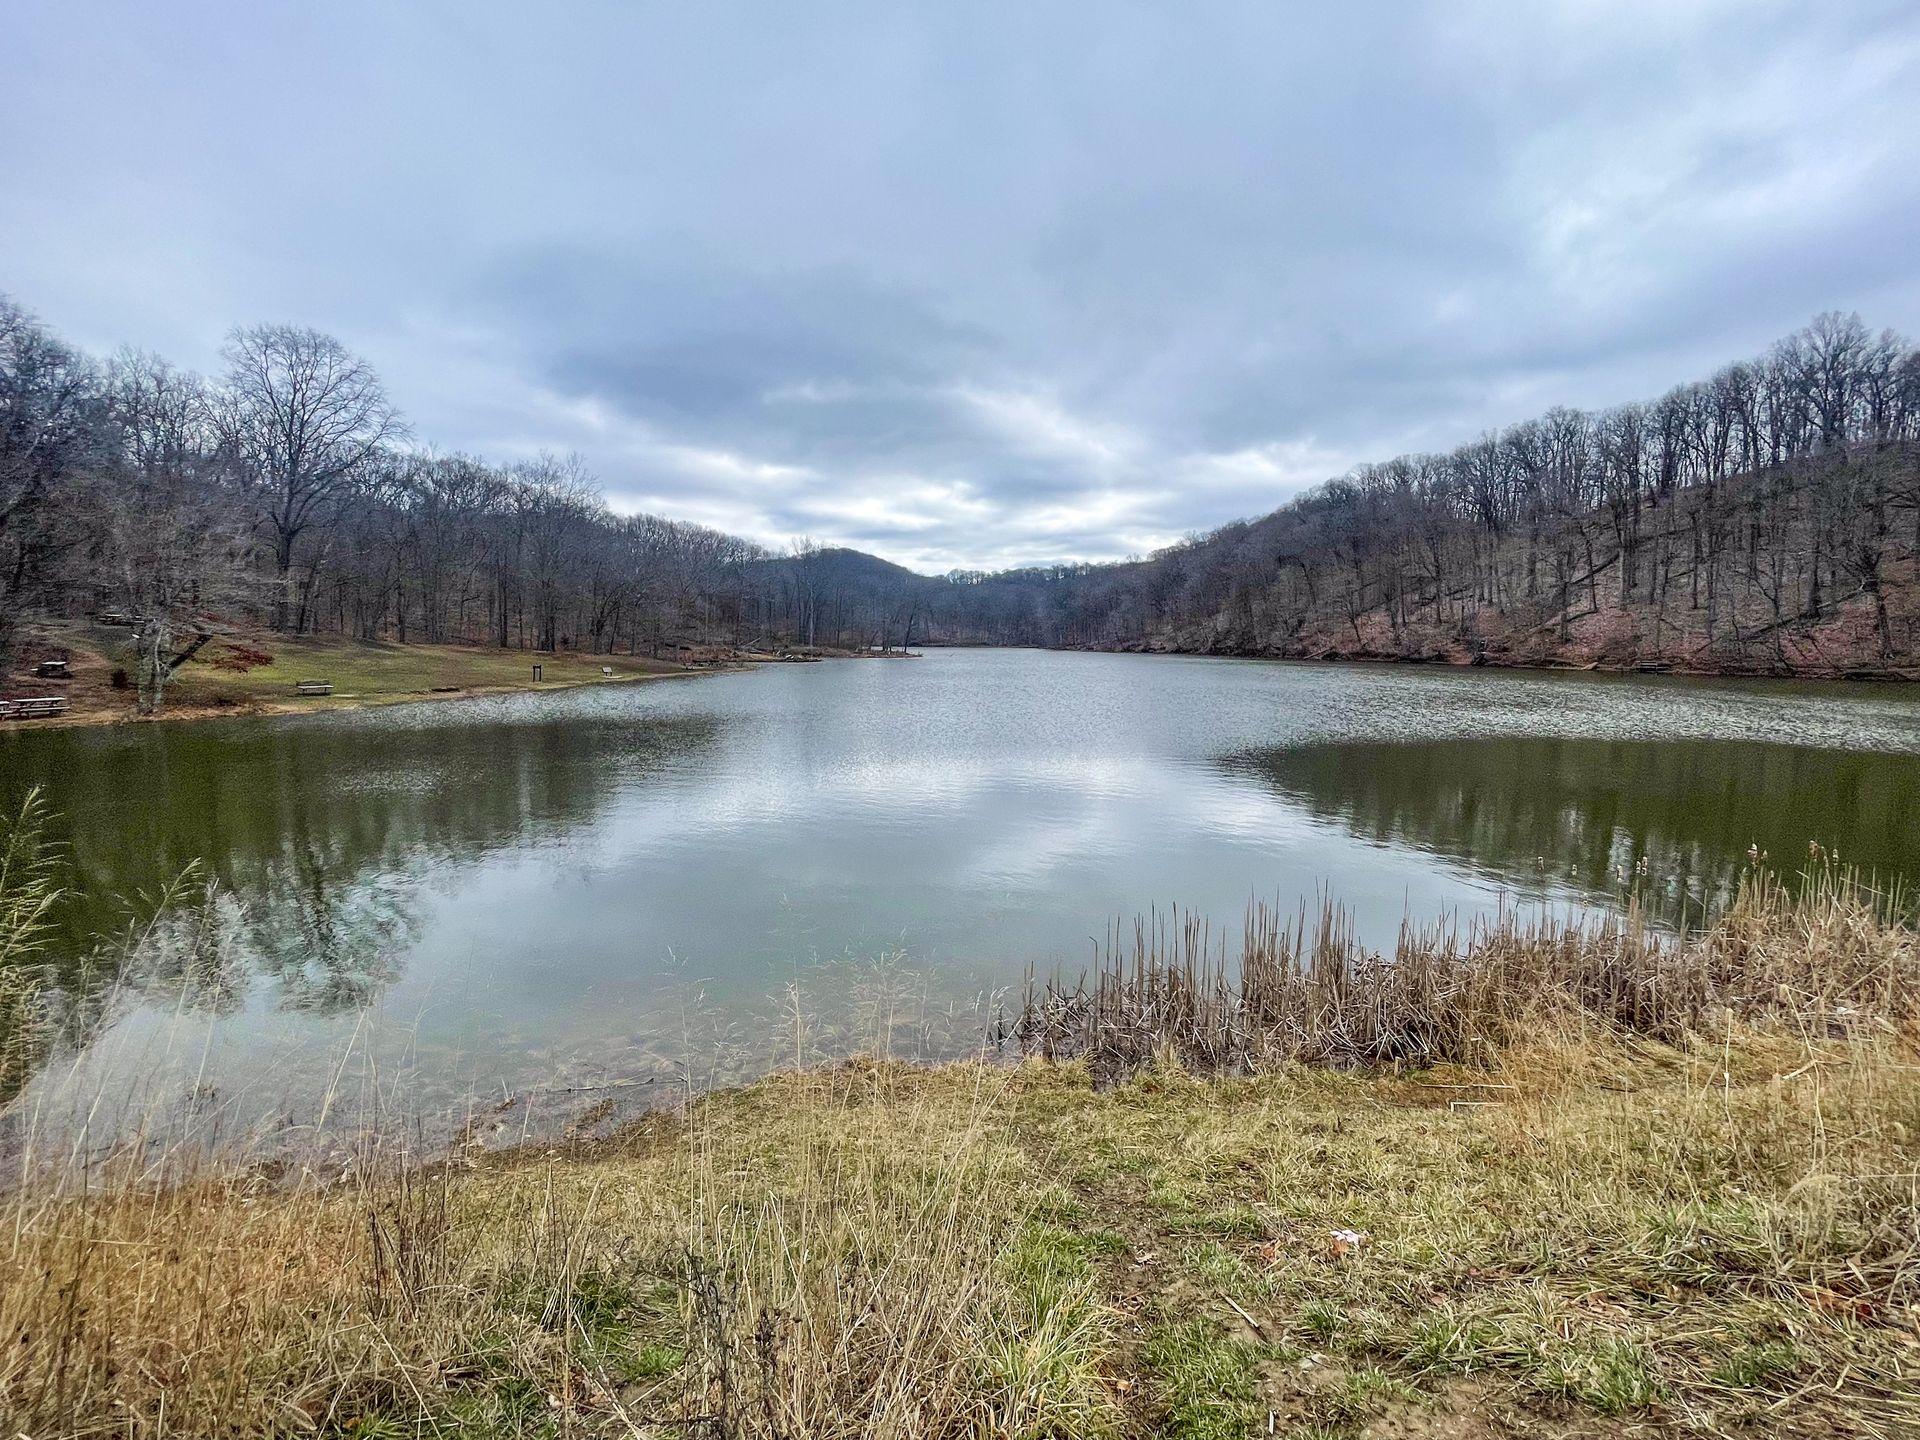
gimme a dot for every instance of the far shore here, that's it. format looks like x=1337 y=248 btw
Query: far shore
x=89 y=719
x=376 y=674
x=1688 y=668
x=1534 y=665
x=254 y=673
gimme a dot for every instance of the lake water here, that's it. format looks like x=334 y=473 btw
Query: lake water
x=540 y=892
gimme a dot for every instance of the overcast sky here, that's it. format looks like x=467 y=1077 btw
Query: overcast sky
x=967 y=284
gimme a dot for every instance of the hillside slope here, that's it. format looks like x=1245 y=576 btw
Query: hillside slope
x=1764 y=521
x=1721 y=592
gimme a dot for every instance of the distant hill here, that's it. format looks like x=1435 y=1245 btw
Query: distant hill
x=843 y=566
x=1764 y=521
x=841 y=596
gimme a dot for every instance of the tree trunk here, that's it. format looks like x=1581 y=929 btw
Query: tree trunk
x=152 y=644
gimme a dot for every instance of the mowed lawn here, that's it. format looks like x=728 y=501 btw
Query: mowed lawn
x=261 y=670
x=362 y=669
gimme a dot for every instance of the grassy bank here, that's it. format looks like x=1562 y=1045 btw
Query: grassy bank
x=1589 y=1239
x=255 y=673
x=1589 y=1225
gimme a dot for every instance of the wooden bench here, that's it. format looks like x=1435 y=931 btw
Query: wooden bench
x=313 y=687
x=35 y=707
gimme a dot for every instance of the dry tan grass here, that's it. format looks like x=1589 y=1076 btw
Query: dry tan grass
x=822 y=1258
x=1707 y=1236
x=29 y=890
x=1823 y=952
x=1683 y=1196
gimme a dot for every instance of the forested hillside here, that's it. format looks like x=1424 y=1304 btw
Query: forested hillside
x=1764 y=520
x=288 y=491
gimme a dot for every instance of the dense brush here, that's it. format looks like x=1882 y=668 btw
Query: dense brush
x=1307 y=991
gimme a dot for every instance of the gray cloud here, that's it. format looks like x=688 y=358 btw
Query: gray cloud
x=971 y=284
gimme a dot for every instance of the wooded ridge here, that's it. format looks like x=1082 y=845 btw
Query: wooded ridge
x=1764 y=520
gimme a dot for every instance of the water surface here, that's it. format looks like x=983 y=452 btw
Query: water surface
x=494 y=896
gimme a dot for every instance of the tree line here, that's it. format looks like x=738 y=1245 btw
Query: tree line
x=1766 y=518
x=288 y=491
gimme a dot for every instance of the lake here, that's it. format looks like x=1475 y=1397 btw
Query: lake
x=540 y=893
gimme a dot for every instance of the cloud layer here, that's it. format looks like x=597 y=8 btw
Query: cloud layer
x=969 y=285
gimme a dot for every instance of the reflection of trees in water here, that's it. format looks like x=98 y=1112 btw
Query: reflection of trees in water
x=313 y=839
x=175 y=948
x=329 y=937
x=191 y=956
x=1585 y=811
x=327 y=945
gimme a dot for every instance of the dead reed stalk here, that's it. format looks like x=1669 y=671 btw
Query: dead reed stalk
x=1304 y=990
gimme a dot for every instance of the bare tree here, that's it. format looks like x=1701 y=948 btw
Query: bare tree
x=558 y=501
x=50 y=442
x=302 y=418
x=179 y=547
x=1722 y=525
x=1767 y=516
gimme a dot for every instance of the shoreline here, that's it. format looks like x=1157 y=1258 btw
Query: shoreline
x=1293 y=1252
x=1579 y=1181
x=1855 y=675
x=267 y=708
x=264 y=708
x=366 y=675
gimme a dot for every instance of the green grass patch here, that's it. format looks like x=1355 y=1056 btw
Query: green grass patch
x=1206 y=1380
x=1763 y=1363
x=1612 y=1376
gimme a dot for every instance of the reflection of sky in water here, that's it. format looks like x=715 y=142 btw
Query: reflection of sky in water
x=580 y=882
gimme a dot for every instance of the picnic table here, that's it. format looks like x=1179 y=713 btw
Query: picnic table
x=313 y=687
x=33 y=707
x=53 y=670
